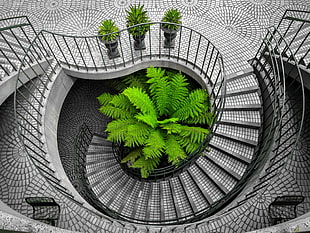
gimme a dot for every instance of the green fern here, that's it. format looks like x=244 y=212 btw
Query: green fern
x=118 y=129
x=174 y=151
x=137 y=134
x=155 y=115
x=192 y=105
x=140 y=100
x=155 y=145
x=105 y=98
x=146 y=165
x=132 y=156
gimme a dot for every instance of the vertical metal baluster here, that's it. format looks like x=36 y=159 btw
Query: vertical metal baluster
x=130 y=42
x=210 y=60
x=121 y=46
x=159 y=42
x=99 y=47
x=197 y=51
x=205 y=58
x=80 y=53
x=181 y=29
x=91 y=55
x=9 y=60
x=50 y=49
x=189 y=45
x=150 y=43
x=63 y=37
x=63 y=55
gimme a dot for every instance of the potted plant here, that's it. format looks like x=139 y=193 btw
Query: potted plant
x=109 y=36
x=170 y=30
x=161 y=118
x=136 y=15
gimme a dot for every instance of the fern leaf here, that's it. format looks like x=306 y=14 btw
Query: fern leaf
x=137 y=134
x=121 y=101
x=192 y=106
x=140 y=100
x=118 y=129
x=136 y=80
x=178 y=90
x=146 y=165
x=149 y=119
x=105 y=98
x=155 y=145
x=172 y=128
x=132 y=156
x=174 y=150
x=114 y=112
x=153 y=72
x=169 y=120
x=195 y=134
x=187 y=144
x=205 y=118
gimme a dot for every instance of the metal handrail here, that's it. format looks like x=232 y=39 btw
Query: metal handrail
x=208 y=62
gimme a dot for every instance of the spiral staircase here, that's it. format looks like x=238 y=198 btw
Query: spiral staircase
x=258 y=149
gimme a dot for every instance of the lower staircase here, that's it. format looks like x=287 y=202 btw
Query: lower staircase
x=205 y=182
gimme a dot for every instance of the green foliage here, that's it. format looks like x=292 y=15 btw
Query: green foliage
x=108 y=26
x=157 y=115
x=136 y=15
x=172 y=16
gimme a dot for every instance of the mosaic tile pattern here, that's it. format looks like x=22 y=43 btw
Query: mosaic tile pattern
x=236 y=43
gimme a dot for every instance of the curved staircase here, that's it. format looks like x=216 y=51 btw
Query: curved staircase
x=205 y=182
x=176 y=199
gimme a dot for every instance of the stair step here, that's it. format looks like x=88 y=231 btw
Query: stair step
x=167 y=202
x=128 y=207
x=250 y=117
x=241 y=91
x=141 y=207
x=239 y=74
x=207 y=186
x=245 y=107
x=231 y=148
x=245 y=124
x=237 y=138
x=233 y=167
x=181 y=200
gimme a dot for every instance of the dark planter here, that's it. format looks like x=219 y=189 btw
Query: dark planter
x=170 y=36
x=112 y=48
x=139 y=43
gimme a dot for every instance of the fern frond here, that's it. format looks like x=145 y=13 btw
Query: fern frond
x=155 y=145
x=114 y=112
x=132 y=156
x=140 y=100
x=105 y=98
x=192 y=106
x=187 y=144
x=137 y=134
x=153 y=72
x=146 y=165
x=118 y=129
x=178 y=90
x=172 y=128
x=121 y=101
x=205 y=118
x=148 y=119
x=136 y=80
x=169 y=120
x=195 y=134
x=174 y=150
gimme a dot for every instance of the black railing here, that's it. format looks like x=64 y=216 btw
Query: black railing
x=87 y=54
x=78 y=53
x=282 y=123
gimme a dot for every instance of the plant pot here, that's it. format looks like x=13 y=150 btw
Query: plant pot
x=112 y=48
x=170 y=36
x=139 y=43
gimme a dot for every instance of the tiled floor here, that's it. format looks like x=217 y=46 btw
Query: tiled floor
x=235 y=27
